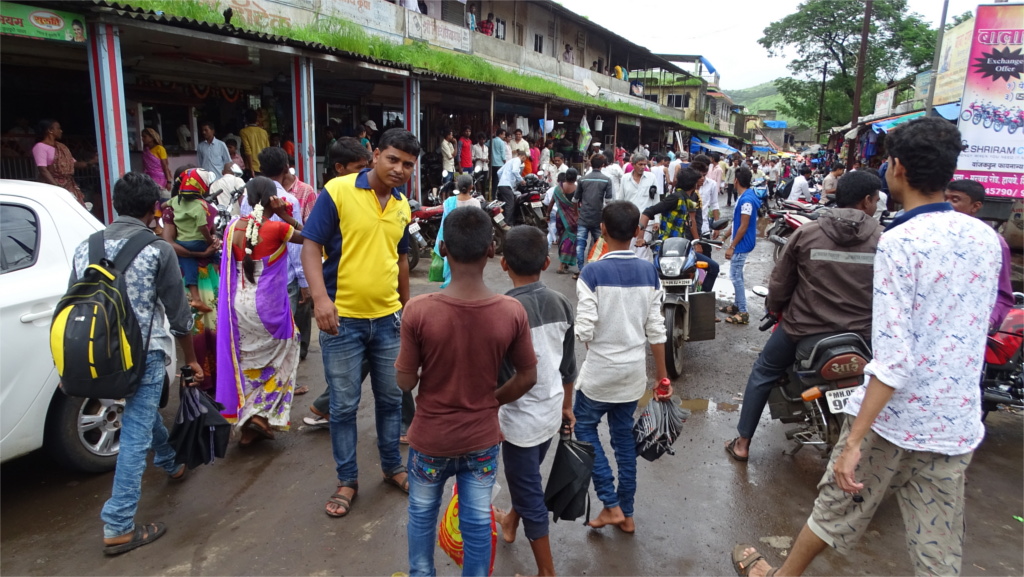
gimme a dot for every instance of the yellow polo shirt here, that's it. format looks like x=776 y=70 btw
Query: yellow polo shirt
x=363 y=278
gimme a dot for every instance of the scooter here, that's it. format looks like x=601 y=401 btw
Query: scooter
x=528 y=207
x=689 y=311
x=813 y=393
x=1002 y=383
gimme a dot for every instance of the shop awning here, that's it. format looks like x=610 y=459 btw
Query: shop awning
x=887 y=124
x=764 y=149
x=949 y=111
x=725 y=145
x=696 y=143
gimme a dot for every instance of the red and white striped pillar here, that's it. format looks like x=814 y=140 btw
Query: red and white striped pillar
x=302 y=120
x=411 y=112
x=108 y=110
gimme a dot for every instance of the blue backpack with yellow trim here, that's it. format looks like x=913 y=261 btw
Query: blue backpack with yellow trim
x=95 y=338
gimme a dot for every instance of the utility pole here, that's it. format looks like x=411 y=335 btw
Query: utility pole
x=935 y=60
x=821 y=101
x=861 y=57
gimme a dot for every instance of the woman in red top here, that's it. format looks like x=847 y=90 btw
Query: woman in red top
x=255 y=327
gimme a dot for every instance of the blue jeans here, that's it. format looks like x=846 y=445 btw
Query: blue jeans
x=475 y=474
x=190 y=266
x=711 y=273
x=377 y=340
x=620 y=424
x=582 y=237
x=301 y=313
x=141 y=429
x=776 y=357
x=739 y=260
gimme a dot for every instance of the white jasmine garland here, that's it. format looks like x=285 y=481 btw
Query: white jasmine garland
x=252 y=230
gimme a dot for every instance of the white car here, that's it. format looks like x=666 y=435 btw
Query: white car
x=40 y=228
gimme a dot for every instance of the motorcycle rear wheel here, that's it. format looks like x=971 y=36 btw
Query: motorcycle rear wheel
x=414 y=255
x=675 y=316
x=966 y=115
x=499 y=239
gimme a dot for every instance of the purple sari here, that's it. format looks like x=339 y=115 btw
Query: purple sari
x=257 y=342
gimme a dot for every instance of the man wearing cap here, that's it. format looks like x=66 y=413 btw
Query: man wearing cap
x=371 y=129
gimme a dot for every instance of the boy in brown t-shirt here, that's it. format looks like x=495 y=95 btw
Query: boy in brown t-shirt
x=456 y=431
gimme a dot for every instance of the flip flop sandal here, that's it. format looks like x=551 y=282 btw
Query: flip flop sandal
x=338 y=499
x=575 y=276
x=301 y=390
x=739 y=319
x=731 y=449
x=143 y=535
x=742 y=564
x=179 y=474
x=390 y=479
x=729 y=310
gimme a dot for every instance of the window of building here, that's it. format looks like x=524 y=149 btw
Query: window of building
x=675 y=100
x=538 y=43
x=499 y=28
x=651 y=97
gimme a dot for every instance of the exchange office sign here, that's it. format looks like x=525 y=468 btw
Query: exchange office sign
x=991 y=120
x=41 y=23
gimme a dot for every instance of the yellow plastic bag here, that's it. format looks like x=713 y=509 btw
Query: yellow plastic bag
x=449 y=537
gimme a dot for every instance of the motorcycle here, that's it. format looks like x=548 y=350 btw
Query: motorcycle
x=426 y=221
x=223 y=201
x=1002 y=383
x=813 y=393
x=528 y=207
x=689 y=311
x=786 y=223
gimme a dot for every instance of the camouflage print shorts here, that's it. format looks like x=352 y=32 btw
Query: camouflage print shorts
x=929 y=488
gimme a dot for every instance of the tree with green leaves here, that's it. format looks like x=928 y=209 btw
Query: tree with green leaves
x=824 y=32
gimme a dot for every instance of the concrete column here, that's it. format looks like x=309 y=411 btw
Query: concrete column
x=411 y=112
x=109 y=111
x=302 y=120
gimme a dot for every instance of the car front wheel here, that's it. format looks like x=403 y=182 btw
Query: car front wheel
x=84 y=434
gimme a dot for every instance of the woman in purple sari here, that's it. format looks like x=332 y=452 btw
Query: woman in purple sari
x=256 y=334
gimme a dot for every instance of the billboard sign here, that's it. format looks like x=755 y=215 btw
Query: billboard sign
x=956 y=48
x=991 y=115
x=41 y=23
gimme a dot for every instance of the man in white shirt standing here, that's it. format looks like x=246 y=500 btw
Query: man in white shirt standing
x=636 y=188
x=448 y=155
x=519 y=143
x=709 y=202
x=801 y=188
x=773 y=176
x=558 y=166
x=917 y=419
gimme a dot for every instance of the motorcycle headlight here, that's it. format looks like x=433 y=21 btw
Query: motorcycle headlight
x=671 y=266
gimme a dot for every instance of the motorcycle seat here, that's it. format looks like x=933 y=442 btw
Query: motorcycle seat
x=429 y=211
x=810 y=350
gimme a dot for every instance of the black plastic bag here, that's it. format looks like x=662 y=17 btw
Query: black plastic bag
x=567 y=494
x=200 y=434
x=657 y=427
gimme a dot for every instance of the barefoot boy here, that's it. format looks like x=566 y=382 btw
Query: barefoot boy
x=619 y=313
x=455 y=432
x=529 y=423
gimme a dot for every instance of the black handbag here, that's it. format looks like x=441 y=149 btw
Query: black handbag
x=200 y=434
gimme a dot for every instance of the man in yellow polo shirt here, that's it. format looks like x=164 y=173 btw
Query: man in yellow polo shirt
x=358 y=302
x=254 y=140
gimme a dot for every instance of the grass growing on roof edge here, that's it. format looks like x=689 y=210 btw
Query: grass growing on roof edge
x=344 y=35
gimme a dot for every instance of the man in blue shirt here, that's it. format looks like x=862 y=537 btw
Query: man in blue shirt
x=211 y=154
x=499 y=156
x=743 y=240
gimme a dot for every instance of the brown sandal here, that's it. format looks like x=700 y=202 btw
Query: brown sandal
x=391 y=480
x=342 y=500
x=739 y=319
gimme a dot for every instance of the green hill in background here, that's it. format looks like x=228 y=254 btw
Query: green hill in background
x=761 y=97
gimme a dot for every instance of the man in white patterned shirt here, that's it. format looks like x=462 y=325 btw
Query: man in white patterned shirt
x=918 y=416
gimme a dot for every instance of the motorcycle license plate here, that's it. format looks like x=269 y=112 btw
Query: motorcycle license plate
x=536 y=204
x=837 y=399
x=677 y=282
x=499 y=218
x=414 y=228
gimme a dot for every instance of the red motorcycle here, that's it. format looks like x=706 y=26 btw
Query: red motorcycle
x=1002 y=383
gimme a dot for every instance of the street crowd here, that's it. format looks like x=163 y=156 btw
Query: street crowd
x=337 y=257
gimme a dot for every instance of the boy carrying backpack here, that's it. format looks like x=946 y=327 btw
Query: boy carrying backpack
x=151 y=283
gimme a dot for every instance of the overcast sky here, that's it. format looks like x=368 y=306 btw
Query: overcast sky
x=723 y=31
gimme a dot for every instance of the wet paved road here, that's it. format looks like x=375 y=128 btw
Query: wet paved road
x=260 y=511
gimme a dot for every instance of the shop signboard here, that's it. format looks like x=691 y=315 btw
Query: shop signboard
x=883 y=101
x=438 y=32
x=956 y=46
x=41 y=23
x=993 y=95
x=922 y=83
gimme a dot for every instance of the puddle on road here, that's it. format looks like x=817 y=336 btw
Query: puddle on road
x=708 y=406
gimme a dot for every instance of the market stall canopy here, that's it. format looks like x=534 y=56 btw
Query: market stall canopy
x=852 y=134
x=764 y=149
x=776 y=124
x=696 y=143
x=949 y=111
x=721 y=144
x=887 y=124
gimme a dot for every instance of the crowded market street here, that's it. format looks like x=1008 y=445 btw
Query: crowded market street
x=259 y=512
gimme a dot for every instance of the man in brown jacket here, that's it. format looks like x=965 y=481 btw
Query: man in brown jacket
x=821 y=284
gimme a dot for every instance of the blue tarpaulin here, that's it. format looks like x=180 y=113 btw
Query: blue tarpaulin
x=889 y=123
x=708 y=65
x=948 y=111
x=717 y=142
x=764 y=149
x=776 y=123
